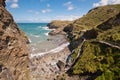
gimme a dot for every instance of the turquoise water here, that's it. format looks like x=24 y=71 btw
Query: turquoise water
x=36 y=32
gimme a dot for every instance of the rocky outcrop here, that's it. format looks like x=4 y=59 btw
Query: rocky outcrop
x=61 y=65
x=58 y=26
x=13 y=48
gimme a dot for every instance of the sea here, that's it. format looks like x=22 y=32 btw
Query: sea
x=40 y=42
x=36 y=32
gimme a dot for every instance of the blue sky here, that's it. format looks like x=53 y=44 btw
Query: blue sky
x=48 y=10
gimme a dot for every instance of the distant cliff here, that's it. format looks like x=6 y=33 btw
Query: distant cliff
x=95 y=44
x=58 y=26
x=13 y=48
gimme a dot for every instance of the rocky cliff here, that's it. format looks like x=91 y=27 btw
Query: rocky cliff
x=13 y=48
x=58 y=26
x=94 y=42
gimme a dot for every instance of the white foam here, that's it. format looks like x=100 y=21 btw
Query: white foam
x=58 y=49
x=29 y=40
x=35 y=35
x=46 y=28
x=47 y=33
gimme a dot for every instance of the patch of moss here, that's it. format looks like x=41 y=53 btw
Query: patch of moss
x=98 y=57
x=111 y=35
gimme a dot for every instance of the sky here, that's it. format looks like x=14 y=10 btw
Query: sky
x=38 y=11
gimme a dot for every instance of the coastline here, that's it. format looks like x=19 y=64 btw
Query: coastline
x=45 y=56
x=51 y=43
x=52 y=51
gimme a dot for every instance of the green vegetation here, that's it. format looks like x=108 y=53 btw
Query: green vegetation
x=98 y=57
x=112 y=35
x=58 y=24
x=95 y=17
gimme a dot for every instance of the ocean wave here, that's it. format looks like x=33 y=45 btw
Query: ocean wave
x=55 y=50
x=35 y=35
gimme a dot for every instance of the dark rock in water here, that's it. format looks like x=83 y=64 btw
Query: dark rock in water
x=61 y=65
x=13 y=48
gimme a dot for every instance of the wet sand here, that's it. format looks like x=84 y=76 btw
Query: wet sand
x=51 y=43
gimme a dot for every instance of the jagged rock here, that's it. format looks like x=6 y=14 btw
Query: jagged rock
x=13 y=48
x=61 y=65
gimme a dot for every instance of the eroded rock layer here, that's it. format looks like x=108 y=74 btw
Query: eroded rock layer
x=13 y=48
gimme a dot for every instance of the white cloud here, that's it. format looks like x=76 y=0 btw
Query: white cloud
x=46 y=10
x=70 y=8
x=106 y=2
x=69 y=17
x=13 y=1
x=14 y=5
x=7 y=1
x=69 y=5
x=48 y=19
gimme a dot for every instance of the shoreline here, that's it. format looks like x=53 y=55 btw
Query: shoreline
x=44 y=59
x=49 y=45
x=45 y=67
x=52 y=51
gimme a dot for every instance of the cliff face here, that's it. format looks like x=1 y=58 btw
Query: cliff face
x=13 y=48
x=58 y=26
x=95 y=40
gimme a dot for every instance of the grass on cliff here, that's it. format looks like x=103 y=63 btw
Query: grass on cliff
x=59 y=23
x=111 y=35
x=99 y=57
x=95 y=17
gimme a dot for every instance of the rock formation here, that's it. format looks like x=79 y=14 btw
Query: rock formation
x=13 y=48
x=58 y=26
